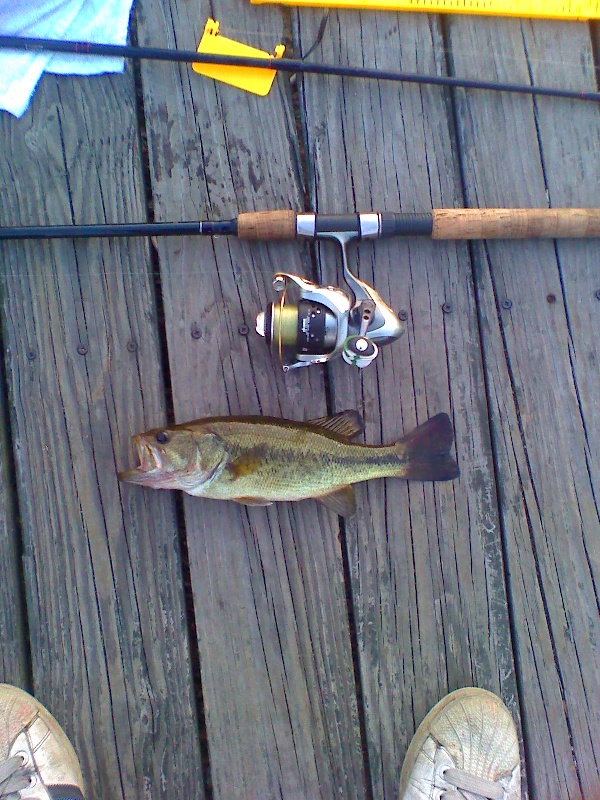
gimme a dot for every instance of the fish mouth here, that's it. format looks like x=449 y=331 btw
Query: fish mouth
x=150 y=466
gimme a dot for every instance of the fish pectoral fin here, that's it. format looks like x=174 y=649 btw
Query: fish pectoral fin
x=342 y=501
x=347 y=424
x=252 y=501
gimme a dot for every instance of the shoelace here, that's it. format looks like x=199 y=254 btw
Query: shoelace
x=13 y=778
x=470 y=786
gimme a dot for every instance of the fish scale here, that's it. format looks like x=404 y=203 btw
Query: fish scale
x=308 y=463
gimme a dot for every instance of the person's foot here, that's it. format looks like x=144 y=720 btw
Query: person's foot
x=466 y=748
x=37 y=761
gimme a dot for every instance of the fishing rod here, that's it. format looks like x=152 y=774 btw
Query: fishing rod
x=311 y=324
x=440 y=223
x=290 y=65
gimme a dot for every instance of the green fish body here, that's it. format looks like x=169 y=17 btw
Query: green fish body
x=260 y=460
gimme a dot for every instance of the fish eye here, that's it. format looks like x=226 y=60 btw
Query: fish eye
x=162 y=437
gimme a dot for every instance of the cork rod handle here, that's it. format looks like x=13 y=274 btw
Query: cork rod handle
x=515 y=223
x=267 y=225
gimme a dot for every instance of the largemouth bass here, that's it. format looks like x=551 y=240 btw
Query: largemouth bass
x=260 y=460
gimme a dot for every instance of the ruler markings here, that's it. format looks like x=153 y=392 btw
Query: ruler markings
x=547 y=9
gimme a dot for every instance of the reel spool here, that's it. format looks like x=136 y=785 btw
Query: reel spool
x=311 y=324
x=307 y=329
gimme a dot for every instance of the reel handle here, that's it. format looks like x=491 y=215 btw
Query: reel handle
x=359 y=351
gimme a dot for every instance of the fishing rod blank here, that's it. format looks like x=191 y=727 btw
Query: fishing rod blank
x=37 y=45
x=119 y=230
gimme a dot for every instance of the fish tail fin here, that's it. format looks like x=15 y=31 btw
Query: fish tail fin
x=426 y=451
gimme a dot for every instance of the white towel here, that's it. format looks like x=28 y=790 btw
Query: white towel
x=104 y=21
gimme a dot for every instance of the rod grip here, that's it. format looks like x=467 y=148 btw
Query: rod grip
x=267 y=225
x=515 y=223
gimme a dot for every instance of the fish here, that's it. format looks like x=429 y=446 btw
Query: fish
x=258 y=460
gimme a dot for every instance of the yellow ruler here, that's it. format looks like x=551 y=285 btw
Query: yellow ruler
x=547 y=9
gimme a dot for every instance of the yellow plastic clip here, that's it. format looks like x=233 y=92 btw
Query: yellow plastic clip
x=251 y=79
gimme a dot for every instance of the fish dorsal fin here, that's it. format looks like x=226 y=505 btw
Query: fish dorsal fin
x=347 y=424
x=342 y=501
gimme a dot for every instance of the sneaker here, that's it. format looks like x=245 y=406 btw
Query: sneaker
x=466 y=748
x=37 y=761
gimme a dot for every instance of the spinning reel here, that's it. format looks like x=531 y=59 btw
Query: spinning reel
x=312 y=324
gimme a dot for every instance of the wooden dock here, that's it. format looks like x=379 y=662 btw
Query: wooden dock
x=199 y=649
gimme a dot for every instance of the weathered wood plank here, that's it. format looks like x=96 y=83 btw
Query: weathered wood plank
x=268 y=584
x=14 y=652
x=107 y=621
x=542 y=370
x=426 y=561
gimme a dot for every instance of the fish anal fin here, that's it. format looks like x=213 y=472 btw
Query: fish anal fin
x=252 y=501
x=342 y=501
x=346 y=424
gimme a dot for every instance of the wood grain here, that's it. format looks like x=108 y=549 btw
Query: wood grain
x=502 y=335
x=268 y=584
x=14 y=653
x=541 y=356
x=107 y=622
x=426 y=560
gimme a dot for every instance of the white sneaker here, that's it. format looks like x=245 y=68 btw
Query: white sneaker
x=466 y=748
x=37 y=761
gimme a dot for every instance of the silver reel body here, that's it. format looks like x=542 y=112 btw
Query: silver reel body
x=313 y=324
